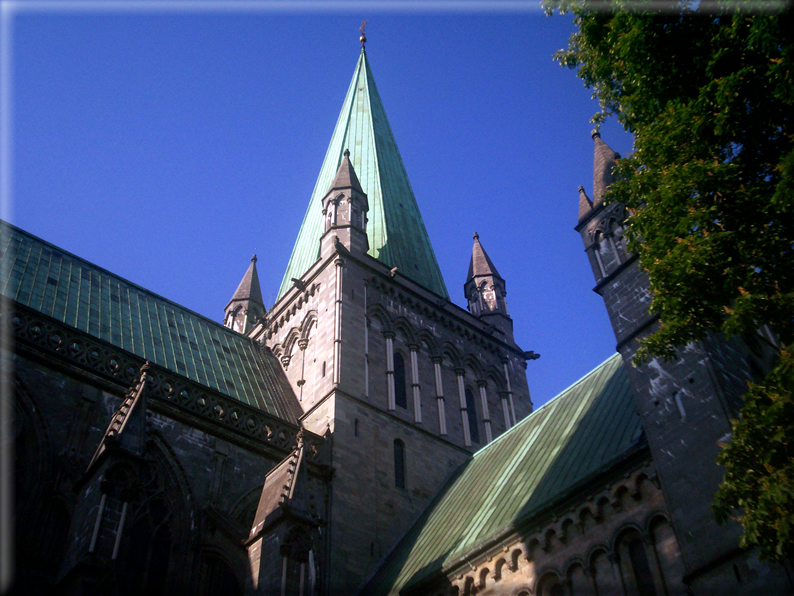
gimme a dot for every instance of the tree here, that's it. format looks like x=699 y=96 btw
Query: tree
x=759 y=462
x=707 y=90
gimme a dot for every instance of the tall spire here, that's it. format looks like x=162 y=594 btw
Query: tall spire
x=396 y=232
x=604 y=159
x=246 y=305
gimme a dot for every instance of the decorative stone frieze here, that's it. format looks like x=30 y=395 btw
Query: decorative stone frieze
x=168 y=390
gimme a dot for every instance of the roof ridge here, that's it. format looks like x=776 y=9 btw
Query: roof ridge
x=118 y=277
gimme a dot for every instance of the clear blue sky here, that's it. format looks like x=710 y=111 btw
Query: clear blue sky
x=169 y=146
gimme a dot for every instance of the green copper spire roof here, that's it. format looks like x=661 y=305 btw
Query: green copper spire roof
x=396 y=232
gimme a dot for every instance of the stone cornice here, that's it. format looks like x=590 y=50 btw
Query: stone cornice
x=171 y=394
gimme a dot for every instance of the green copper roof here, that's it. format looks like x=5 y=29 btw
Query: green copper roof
x=588 y=427
x=103 y=305
x=397 y=234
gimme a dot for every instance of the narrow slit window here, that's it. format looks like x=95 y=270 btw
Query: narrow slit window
x=399 y=464
x=400 y=396
x=471 y=411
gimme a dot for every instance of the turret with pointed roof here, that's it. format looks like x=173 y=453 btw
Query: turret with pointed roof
x=486 y=290
x=246 y=305
x=345 y=208
x=396 y=232
x=604 y=160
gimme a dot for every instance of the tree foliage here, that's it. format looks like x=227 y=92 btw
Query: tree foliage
x=759 y=462
x=707 y=90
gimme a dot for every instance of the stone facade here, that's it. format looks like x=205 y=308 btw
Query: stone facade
x=686 y=405
x=376 y=360
x=616 y=541
x=198 y=481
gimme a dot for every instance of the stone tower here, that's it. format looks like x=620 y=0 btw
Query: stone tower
x=405 y=384
x=686 y=405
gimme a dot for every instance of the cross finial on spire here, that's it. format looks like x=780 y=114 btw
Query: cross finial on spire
x=476 y=236
x=253 y=259
x=347 y=153
x=363 y=38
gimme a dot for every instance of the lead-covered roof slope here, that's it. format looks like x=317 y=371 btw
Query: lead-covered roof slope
x=73 y=291
x=396 y=232
x=583 y=431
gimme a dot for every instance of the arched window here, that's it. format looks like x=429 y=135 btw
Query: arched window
x=597 y=243
x=550 y=585
x=633 y=564
x=146 y=552
x=216 y=577
x=298 y=569
x=399 y=463
x=474 y=429
x=641 y=568
x=400 y=397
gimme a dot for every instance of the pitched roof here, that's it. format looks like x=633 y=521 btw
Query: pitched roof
x=396 y=232
x=127 y=426
x=285 y=487
x=480 y=263
x=103 y=305
x=587 y=428
x=249 y=288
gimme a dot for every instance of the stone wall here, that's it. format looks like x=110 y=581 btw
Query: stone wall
x=353 y=312
x=686 y=406
x=616 y=540
x=210 y=490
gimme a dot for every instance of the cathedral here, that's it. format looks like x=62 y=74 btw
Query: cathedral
x=364 y=435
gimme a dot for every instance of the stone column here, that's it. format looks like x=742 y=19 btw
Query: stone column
x=366 y=345
x=119 y=530
x=618 y=573
x=599 y=260
x=415 y=384
x=504 y=395
x=338 y=322
x=613 y=247
x=442 y=411
x=486 y=417
x=302 y=345
x=589 y=573
x=464 y=412
x=658 y=574
x=509 y=394
x=567 y=586
x=283 y=576
x=390 y=369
